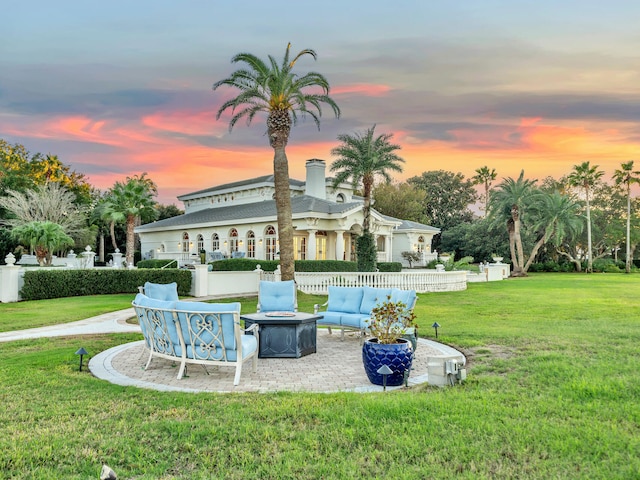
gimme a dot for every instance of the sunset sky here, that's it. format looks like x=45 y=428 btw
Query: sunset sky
x=123 y=87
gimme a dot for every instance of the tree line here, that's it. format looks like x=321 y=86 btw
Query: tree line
x=47 y=208
x=577 y=218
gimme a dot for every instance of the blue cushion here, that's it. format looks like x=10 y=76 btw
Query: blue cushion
x=330 y=318
x=162 y=291
x=277 y=296
x=408 y=297
x=372 y=297
x=207 y=331
x=345 y=299
x=353 y=320
x=160 y=323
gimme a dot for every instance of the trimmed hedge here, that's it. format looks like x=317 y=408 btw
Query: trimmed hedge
x=40 y=284
x=249 y=264
x=389 y=266
x=157 y=263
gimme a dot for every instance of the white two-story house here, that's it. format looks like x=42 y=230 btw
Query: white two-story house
x=239 y=219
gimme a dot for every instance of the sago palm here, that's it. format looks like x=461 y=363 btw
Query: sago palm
x=272 y=88
x=586 y=177
x=625 y=177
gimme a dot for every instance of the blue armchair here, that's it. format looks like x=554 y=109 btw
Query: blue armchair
x=277 y=296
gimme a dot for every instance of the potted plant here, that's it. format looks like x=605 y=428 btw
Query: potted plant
x=388 y=323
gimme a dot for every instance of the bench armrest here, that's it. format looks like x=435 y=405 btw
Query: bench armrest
x=316 y=307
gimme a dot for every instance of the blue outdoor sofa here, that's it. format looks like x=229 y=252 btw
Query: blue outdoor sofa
x=349 y=308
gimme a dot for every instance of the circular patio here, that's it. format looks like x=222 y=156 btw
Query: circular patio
x=337 y=366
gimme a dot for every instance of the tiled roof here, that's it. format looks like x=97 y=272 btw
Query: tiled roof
x=266 y=210
x=409 y=225
x=242 y=183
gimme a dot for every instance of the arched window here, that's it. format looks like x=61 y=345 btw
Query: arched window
x=340 y=198
x=215 y=242
x=251 y=244
x=200 y=240
x=270 y=243
x=185 y=242
x=421 y=243
x=233 y=240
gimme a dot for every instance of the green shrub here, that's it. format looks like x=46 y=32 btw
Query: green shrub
x=157 y=263
x=367 y=252
x=325 y=266
x=243 y=265
x=389 y=266
x=40 y=284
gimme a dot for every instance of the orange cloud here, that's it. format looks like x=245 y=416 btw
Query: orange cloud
x=366 y=89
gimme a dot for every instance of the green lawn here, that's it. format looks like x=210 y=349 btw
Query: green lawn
x=552 y=393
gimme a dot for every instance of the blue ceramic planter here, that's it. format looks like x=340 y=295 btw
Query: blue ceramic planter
x=397 y=356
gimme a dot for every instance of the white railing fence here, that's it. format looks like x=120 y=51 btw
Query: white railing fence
x=317 y=283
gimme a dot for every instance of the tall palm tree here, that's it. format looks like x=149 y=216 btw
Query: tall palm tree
x=361 y=158
x=274 y=89
x=586 y=177
x=132 y=199
x=507 y=203
x=485 y=176
x=625 y=177
x=557 y=216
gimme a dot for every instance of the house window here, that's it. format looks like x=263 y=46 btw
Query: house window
x=185 y=242
x=420 y=243
x=233 y=240
x=321 y=245
x=300 y=248
x=340 y=198
x=380 y=243
x=200 y=243
x=270 y=243
x=215 y=242
x=251 y=244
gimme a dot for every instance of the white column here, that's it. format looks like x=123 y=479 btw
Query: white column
x=9 y=280
x=311 y=245
x=387 y=248
x=339 y=244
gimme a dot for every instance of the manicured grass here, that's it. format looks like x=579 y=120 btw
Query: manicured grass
x=552 y=392
x=40 y=313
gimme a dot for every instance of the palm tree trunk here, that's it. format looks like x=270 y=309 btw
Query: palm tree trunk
x=534 y=252
x=627 y=260
x=131 y=223
x=283 y=207
x=589 y=246
x=366 y=209
x=112 y=232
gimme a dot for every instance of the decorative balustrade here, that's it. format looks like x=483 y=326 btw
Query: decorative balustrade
x=317 y=283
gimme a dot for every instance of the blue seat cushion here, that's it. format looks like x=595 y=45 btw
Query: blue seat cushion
x=345 y=299
x=373 y=297
x=353 y=320
x=162 y=291
x=249 y=345
x=277 y=296
x=408 y=297
x=204 y=323
x=330 y=318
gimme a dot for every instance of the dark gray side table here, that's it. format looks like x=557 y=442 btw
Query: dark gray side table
x=284 y=336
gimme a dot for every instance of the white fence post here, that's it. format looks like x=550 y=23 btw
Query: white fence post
x=9 y=280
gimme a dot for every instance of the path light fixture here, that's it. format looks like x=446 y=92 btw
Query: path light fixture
x=81 y=351
x=435 y=327
x=384 y=370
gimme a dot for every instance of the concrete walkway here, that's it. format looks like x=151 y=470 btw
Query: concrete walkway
x=337 y=365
